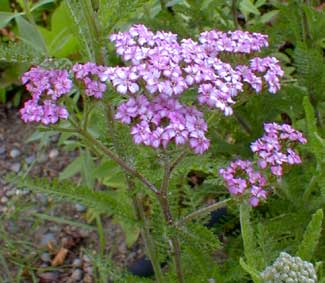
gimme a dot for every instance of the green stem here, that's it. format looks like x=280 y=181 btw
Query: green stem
x=133 y=172
x=201 y=212
x=234 y=13
x=101 y=235
x=146 y=236
x=164 y=204
x=247 y=128
x=137 y=203
x=32 y=21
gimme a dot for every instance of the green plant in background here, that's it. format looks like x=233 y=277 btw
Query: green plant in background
x=78 y=31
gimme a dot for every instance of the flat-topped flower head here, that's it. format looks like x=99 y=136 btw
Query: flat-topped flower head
x=91 y=76
x=168 y=68
x=274 y=148
x=162 y=121
x=46 y=87
x=241 y=179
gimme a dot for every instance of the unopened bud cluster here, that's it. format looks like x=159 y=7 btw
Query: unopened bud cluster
x=289 y=269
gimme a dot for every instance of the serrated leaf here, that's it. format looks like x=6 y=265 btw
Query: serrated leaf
x=311 y=236
x=247 y=7
x=252 y=271
x=30 y=34
x=88 y=166
x=40 y=4
x=60 y=41
x=72 y=169
x=267 y=17
x=6 y=17
x=131 y=232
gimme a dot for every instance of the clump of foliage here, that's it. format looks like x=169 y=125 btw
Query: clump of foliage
x=159 y=184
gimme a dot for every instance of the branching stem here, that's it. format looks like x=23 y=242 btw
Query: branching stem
x=133 y=172
x=201 y=212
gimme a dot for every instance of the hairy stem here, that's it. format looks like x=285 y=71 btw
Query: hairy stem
x=234 y=13
x=137 y=203
x=32 y=21
x=146 y=236
x=201 y=212
x=163 y=200
x=133 y=172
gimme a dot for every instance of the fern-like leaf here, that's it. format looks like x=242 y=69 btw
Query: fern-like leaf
x=101 y=201
x=19 y=52
x=311 y=236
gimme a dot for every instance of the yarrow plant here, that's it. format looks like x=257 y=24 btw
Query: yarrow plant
x=158 y=71
x=273 y=151
x=46 y=87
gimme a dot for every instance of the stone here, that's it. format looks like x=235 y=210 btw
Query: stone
x=42 y=158
x=2 y=149
x=14 y=153
x=30 y=159
x=54 y=153
x=10 y=193
x=80 y=208
x=48 y=239
x=15 y=167
x=49 y=277
x=77 y=262
x=77 y=275
x=4 y=199
x=46 y=257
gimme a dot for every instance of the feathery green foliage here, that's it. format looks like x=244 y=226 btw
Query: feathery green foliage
x=311 y=236
x=101 y=201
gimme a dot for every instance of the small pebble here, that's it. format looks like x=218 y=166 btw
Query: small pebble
x=55 y=138
x=46 y=257
x=88 y=279
x=54 y=153
x=14 y=153
x=42 y=158
x=2 y=150
x=77 y=275
x=47 y=239
x=42 y=198
x=4 y=199
x=77 y=262
x=10 y=193
x=15 y=167
x=49 y=277
x=80 y=208
x=29 y=160
x=23 y=192
x=88 y=270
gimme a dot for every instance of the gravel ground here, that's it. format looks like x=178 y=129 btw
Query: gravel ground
x=52 y=251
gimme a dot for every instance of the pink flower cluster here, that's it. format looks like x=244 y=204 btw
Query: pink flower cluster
x=242 y=179
x=91 y=76
x=166 y=68
x=159 y=69
x=162 y=120
x=232 y=41
x=274 y=147
x=46 y=87
x=274 y=150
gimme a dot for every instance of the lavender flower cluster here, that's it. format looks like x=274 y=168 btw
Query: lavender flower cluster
x=91 y=77
x=241 y=178
x=46 y=87
x=274 y=150
x=274 y=147
x=162 y=120
x=165 y=68
x=158 y=70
